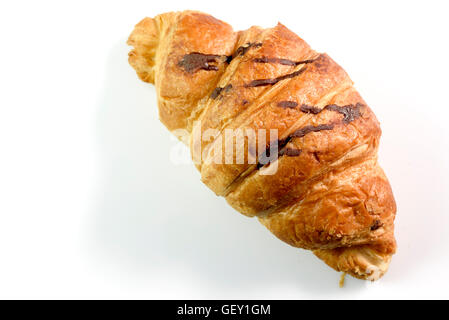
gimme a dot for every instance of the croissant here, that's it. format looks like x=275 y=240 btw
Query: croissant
x=321 y=187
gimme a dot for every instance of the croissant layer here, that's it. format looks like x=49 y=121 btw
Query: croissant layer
x=317 y=184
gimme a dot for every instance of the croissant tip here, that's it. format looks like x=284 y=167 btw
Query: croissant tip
x=361 y=262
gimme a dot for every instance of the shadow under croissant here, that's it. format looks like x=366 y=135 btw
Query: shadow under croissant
x=153 y=215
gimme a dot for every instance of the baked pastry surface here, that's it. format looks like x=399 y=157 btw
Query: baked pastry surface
x=328 y=193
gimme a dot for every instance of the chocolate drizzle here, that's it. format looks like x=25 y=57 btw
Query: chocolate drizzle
x=196 y=61
x=291 y=152
x=285 y=62
x=281 y=143
x=217 y=91
x=308 y=129
x=376 y=225
x=310 y=109
x=267 y=82
x=287 y=104
x=243 y=49
x=350 y=112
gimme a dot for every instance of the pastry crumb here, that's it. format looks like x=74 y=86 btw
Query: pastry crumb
x=342 y=280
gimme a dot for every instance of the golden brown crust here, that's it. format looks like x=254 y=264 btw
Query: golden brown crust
x=350 y=205
x=328 y=194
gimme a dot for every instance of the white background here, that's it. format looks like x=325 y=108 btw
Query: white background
x=92 y=207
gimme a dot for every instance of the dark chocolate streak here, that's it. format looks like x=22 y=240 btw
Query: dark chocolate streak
x=196 y=61
x=243 y=49
x=310 y=109
x=288 y=104
x=308 y=129
x=291 y=152
x=350 y=112
x=217 y=91
x=267 y=82
x=285 y=62
x=376 y=225
x=281 y=143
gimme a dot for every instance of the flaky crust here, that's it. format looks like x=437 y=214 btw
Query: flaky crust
x=329 y=194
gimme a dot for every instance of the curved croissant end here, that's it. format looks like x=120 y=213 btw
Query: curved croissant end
x=363 y=262
x=325 y=190
x=145 y=40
